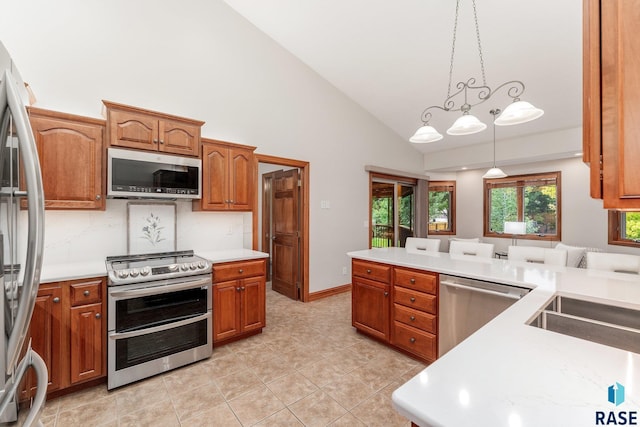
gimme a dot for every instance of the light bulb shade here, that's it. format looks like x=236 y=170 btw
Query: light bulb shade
x=466 y=125
x=515 y=227
x=494 y=172
x=425 y=134
x=518 y=112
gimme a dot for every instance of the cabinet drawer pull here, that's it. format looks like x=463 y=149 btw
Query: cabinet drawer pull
x=162 y=141
x=412 y=299
x=98 y=315
x=155 y=141
x=368 y=271
x=240 y=271
x=56 y=300
x=238 y=289
x=412 y=318
x=412 y=340
x=98 y=197
x=386 y=294
x=242 y=288
x=230 y=201
x=412 y=280
x=86 y=293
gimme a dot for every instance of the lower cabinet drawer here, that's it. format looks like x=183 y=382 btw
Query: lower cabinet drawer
x=420 y=343
x=417 y=319
x=415 y=299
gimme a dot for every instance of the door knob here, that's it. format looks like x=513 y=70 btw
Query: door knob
x=238 y=289
x=412 y=318
x=240 y=271
x=86 y=293
x=412 y=280
x=242 y=288
x=412 y=299
x=412 y=340
x=56 y=300
x=98 y=315
x=368 y=271
x=386 y=294
x=98 y=197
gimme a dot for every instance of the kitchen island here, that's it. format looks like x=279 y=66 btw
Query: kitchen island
x=511 y=374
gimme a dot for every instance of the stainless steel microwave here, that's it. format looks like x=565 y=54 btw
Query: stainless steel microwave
x=141 y=174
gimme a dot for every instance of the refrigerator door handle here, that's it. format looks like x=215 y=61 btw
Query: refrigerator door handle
x=30 y=359
x=35 y=219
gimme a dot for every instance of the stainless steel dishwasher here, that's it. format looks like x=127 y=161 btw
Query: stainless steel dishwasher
x=467 y=304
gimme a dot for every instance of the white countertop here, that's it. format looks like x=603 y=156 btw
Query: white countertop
x=515 y=375
x=82 y=270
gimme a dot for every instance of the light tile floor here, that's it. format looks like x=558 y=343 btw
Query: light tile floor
x=308 y=368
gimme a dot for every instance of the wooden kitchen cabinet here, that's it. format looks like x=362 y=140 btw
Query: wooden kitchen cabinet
x=398 y=306
x=611 y=85
x=133 y=127
x=70 y=150
x=46 y=334
x=68 y=329
x=228 y=177
x=238 y=300
x=415 y=311
x=370 y=298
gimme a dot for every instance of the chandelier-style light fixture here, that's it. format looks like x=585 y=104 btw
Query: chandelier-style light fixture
x=494 y=172
x=472 y=94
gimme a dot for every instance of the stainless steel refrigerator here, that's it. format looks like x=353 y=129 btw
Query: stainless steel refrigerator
x=21 y=237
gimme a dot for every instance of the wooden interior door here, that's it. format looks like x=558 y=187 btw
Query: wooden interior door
x=286 y=233
x=267 y=198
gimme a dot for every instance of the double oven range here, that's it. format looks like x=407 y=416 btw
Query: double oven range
x=159 y=308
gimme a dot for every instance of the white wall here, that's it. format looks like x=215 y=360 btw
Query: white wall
x=199 y=59
x=584 y=221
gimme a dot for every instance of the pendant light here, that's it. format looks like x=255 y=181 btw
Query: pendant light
x=494 y=172
x=470 y=94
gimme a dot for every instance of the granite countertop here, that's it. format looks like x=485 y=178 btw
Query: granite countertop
x=512 y=374
x=82 y=270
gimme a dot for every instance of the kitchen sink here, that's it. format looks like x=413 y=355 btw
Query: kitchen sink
x=601 y=323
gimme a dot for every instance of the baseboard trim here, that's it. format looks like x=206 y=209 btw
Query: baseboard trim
x=314 y=296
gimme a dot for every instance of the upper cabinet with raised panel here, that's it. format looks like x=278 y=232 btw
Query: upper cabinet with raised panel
x=611 y=103
x=132 y=127
x=70 y=150
x=228 y=178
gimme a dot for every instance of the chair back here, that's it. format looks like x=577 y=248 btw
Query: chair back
x=537 y=255
x=483 y=250
x=421 y=244
x=622 y=263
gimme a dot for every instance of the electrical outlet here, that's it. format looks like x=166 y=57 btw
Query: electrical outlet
x=344 y=271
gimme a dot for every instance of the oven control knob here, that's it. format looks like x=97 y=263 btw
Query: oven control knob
x=134 y=272
x=202 y=264
x=145 y=271
x=184 y=267
x=123 y=274
x=193 y=265
x=173 y=267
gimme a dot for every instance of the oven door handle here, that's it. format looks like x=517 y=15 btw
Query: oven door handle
x=146 y=331
x=155 y=290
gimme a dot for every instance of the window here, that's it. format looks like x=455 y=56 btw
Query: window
x=624 y=228
x=442 y=207
x=532 y=199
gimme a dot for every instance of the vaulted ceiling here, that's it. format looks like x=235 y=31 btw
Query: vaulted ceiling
x=392 y=56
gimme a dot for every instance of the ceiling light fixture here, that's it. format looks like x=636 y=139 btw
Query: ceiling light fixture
x=494 y=172
x=516 y=113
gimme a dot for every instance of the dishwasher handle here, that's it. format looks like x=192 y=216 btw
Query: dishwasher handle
x=480 y=290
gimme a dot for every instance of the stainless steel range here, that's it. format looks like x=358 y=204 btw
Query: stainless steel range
x=159 y=314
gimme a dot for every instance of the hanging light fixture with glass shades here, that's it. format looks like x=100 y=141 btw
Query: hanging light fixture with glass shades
x=494 y=172
x=469 y=94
